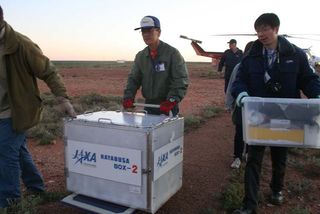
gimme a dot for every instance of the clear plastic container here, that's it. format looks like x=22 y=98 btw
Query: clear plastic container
x=281 y=122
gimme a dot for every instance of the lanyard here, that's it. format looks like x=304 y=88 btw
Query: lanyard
x=269 y=58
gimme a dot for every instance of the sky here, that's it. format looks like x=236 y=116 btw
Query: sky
x=103 y=29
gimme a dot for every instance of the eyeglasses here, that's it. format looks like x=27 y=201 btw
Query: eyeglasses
x=263 y=29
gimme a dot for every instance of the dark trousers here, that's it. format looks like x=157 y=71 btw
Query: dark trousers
x=238 y=141
x=253 y=171
x=238 y=137
x=226 y=82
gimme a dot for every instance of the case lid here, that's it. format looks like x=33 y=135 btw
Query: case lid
x=305 y=110
x=132 y=119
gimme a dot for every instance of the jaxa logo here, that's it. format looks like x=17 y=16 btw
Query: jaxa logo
x=84 y=156
x=163 y=159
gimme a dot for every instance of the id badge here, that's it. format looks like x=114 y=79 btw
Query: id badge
x=160 y=67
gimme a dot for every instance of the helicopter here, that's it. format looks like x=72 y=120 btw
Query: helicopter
x=215 y=56
x=314 y=60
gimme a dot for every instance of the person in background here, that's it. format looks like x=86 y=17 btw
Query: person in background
x=229 y=59
x=273 y=68
x=236 y=116
x=159 y=70
x=21 y=62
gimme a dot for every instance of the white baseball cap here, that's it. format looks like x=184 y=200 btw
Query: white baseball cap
x=149 y=22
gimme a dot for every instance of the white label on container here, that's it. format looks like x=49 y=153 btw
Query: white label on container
x=107 y=162
x=279 y=124
x=167 y=157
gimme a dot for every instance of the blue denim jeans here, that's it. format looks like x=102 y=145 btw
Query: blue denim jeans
x=30 y=175
x=14 y=158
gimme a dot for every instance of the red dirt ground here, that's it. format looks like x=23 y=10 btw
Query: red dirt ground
x=207 y=153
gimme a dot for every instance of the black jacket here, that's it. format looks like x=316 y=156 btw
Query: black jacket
x=292 y=71
x=229 y=60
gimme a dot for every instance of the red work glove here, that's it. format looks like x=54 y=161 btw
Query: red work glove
x=167 y=106
x=127 y=103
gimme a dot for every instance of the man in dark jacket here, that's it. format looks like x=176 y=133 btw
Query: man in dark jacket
x=230 y=58
x=159 y=69
x=21 y=62
x=273 y=68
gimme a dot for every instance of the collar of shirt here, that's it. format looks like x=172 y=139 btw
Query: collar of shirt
x=153 y=53
x=270 y=55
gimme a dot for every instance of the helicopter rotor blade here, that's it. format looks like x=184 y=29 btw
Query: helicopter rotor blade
x=292 y=36
x=235 y=34
x=194 y=40
x=303 y=34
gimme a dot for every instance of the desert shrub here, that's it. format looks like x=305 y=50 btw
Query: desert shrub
x=305 y=161
x=300 y=187
x=191 y=122
x=95 y=102
x=208 y=211
x=232 y=195
x=210 y=111
x=296 y=151
x=51 y=125
x=44 y=135
x=317 y=153
x=205 y=70
x=53 y=196
x=26 y=205
x=299 y=210
x=29 y=203
x=308 y=166
x=194 y=121
x=314 y=160
x=91 y=64
x=208 y=74
x=237 y=175
x=312 y=168
x=296 y=164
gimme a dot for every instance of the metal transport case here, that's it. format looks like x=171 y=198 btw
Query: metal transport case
x=281 y=122
x=130 y=159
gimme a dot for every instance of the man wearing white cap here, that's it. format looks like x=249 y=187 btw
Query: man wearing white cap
x=159 y=70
